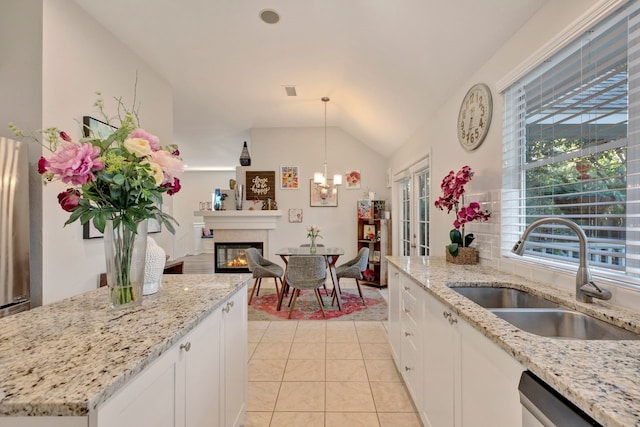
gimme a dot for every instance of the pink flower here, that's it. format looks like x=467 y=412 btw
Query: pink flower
x=74 y=163
x=154 y=141
x=173 y=188
x=65 y=136
x=69 y=199
x=42 y=165
x=171 y=166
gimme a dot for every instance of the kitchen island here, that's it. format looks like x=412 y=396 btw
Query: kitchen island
x=67 y=361
x=485 y=354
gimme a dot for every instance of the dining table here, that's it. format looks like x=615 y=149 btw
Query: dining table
x=331 y=254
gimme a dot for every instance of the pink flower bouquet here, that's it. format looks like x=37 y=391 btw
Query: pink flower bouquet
x=120 y=177
x=452 y=199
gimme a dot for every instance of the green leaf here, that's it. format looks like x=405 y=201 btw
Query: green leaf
x=453 y=249
x=118 y=179
x=455 y=236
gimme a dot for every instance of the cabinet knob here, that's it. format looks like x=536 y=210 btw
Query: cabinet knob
x=407 y=334
x=186 y=346
x=230 y=303
x=406 y=288
x=406 y=310
x=446 y=315
x=226 y=309
x=407 y=369
x=452 y=320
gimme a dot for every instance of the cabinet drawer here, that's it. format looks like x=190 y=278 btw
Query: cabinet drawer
x=410 y=332
x=411 y=310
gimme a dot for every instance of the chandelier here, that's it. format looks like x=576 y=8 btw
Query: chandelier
x=320 y=178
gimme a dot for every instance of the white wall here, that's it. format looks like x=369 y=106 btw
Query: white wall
x=196 y=187
x=439 y=135
x=79 y=58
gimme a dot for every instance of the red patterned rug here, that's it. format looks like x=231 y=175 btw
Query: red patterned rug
x=263 y=307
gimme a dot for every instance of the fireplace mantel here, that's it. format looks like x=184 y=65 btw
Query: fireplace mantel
x=240 y=220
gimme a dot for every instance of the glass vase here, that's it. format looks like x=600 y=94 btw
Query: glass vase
x=125 y=253
x=312 y=247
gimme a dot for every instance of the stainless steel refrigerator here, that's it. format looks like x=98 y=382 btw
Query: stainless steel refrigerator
x=14 y=227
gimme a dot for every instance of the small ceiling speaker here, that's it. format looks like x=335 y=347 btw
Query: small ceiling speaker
x=269 y=16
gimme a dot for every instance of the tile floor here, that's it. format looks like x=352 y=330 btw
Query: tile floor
x=324 y=373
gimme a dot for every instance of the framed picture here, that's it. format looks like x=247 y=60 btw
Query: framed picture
x=368 y=231
x=96 y=128
x=289 y=177
x=364 y=209
x=375 y=256
x=295 y=215
x=323 y=196
x=261 y=185
x=90 y=232
x=352 y=179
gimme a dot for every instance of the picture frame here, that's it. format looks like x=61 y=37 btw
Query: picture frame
x=375 y=256
x=352 y=179
x=91 y=232
x=289 y=177
x=368 y=230
x=92 y=127
x=295 y=215
x=260 y=185
x=365 y=210
x=323 y=197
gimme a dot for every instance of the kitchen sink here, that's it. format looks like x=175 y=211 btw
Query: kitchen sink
x=490 y=297
x=563 y=323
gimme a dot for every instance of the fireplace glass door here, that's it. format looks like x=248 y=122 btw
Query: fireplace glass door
x=230 y=257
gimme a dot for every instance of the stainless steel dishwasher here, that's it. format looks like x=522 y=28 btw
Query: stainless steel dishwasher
x=542 y=406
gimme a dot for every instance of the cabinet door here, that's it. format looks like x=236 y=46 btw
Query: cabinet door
x=394 y=313
x=441 y=350
x=412 y=318
x=149 y=399
x=234 y=348
x=202 y=373
x=489 y=382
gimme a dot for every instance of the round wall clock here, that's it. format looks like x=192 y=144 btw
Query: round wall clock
x=474 y=117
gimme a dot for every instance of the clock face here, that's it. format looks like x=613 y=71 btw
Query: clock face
x=474 y=117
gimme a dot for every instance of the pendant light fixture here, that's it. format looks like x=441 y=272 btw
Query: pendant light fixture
x=320 y=178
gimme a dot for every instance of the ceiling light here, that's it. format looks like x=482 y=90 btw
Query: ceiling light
x=320 y=178
x=290 y=90
x=269 y=16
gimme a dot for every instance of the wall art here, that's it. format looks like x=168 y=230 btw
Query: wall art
x=326 y=196
x=289 y=177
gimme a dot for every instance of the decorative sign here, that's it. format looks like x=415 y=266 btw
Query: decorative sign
x=261 y=185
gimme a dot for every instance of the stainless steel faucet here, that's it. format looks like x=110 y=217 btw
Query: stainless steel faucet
x=586 y=289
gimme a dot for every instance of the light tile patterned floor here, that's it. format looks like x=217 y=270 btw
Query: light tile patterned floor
x=324 y=374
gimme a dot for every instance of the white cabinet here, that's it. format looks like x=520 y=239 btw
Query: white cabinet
x=394 y=328
x=488 y=381
x=234 y=360
x=455 y=375
x=199 y=382
x=411 y=340
x=467 y=377
x=440 y=358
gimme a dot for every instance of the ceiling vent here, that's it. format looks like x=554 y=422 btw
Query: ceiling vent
x=290 y=90
x=269 y=16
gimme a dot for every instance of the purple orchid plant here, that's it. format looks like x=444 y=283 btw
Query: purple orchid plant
x=452 y=199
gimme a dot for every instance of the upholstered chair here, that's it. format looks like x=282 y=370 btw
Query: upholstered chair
x=261 y=267
x=353 y=269
x=306 y=273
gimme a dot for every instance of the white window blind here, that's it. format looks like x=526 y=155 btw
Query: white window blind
x=571 y=137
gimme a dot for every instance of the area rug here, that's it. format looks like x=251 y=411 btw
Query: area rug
x=263 y=307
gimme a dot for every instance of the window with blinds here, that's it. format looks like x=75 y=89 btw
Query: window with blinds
x=571 y=138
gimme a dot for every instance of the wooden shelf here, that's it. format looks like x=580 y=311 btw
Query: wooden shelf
x=381 y=247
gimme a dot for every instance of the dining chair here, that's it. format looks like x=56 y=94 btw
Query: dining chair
x=353 y=269
x=320 y=245
x=306 y=273
x=261 y=267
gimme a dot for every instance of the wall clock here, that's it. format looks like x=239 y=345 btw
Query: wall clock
x=474 y=117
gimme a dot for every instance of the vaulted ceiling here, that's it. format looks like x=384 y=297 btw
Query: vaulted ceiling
x=385 y=64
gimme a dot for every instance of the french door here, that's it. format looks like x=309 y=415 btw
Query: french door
x=413 y=200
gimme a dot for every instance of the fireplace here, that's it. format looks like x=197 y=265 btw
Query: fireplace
x=230 y=257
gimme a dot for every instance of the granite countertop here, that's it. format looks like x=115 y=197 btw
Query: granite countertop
x=599 y=376
x=69 y=357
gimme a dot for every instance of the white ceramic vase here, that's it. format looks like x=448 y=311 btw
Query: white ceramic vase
x=155 y=260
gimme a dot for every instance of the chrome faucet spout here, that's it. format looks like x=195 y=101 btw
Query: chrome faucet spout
x=586 y=289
